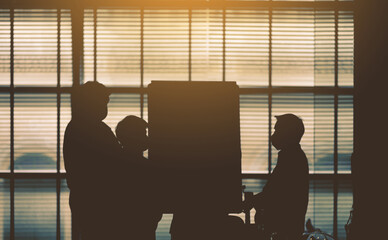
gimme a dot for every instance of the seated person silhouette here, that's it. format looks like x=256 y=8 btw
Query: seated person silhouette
x=143 y=211
x=284 y=198
x=92 y=160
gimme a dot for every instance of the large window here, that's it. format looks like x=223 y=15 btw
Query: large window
x=286 y=56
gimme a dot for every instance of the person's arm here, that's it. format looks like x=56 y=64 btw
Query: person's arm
x=256 y=201
x=73 y=156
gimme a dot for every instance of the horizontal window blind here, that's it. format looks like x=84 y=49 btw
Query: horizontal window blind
x=345 y=48
x=35 y=209
x=345 y=133
x=35 y=132
x=292 y=47
x=4 y=209
x=247 y=47
x=36 y=47
x=166 y=45
x=118 y=46
x=206 y=44
x=5 y=44
x=5 y=123
x=65 y=48
x=320 y=208
x=254 y=133
x=324 y=48
x=89 y=47
x=36 y=34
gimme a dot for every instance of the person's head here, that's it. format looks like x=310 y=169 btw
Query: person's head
x=132 y=134
x=289 y=130
x=90 y=102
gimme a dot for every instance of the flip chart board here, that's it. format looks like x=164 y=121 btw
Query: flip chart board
x=194 y=131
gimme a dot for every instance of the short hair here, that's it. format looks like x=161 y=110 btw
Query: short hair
x=83 y=96
x=293 y=123
x=131 y=124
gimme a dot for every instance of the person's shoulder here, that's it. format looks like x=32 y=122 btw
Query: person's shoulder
x=102 y=126
x=106 y=131
x=71 y=128
x=301 y=152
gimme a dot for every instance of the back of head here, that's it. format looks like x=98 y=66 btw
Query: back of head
x=290 y=126
x=89 y=101
x=132 y=132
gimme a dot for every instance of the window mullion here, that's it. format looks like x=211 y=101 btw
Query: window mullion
x=77 y=23
x=58 y=180
x=12 y=137
x=335 y=220
x=270 y=92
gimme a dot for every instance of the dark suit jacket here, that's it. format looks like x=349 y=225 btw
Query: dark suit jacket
x=93 y=163
x=285 y=196
x=143 y=207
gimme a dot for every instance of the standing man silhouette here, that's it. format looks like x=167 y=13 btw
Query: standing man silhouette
x=284 y=198
x=92 y=161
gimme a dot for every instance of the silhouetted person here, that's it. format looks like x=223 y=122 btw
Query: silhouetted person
x=285 y=195
x=143 y=210
x=92 y=162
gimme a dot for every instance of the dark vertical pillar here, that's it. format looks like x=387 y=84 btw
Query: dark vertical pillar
x=12 y=126
x=371 y=76
x=270 y=15
x=77 y=20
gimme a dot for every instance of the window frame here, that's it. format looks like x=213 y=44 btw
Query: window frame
x=77 y=11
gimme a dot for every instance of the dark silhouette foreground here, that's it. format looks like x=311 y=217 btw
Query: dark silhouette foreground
x=284 y=198
x=195 y=133
x=92 y=162
x=111 y=182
